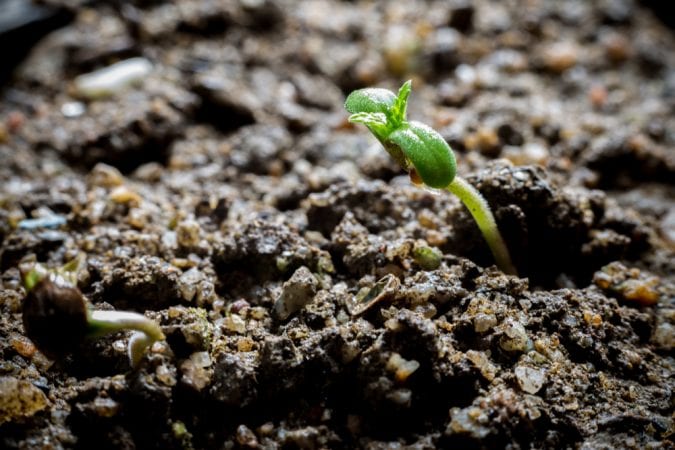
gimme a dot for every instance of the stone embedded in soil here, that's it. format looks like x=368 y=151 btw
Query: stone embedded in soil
x=530 y=379
x=299 y=290
x=632 y=285
x=188 y=329
x=19 y=399
x=515 y=338
x=196 y=371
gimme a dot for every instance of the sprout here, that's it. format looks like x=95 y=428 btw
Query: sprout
x=57 y=317
x=426 y=156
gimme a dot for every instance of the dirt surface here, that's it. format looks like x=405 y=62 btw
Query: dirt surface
x=310 y=295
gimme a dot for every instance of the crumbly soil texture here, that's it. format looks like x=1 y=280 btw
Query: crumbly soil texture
x=310 y=294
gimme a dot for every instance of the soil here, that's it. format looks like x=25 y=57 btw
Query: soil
x=311 y=296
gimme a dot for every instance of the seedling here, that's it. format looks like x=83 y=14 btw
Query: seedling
x=57 y=317
x=426 y=156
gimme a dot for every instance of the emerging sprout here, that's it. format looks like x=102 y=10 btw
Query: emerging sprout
x=57 y=317
x=424 y=153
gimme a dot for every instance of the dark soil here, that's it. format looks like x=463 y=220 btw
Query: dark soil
x=311 y=296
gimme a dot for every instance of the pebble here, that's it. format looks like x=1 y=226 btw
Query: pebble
x=399 y=47
x=401 y=367
x=664 y=336
x=483 y=322
x=105 y=407
x=124 y=196
x=299 y=290
x=23 y=346
x=188 y=234
x=617 y=47
x=560 y=56
x=234 y=323
x=165 y=375
x=482 y=362
x=515 y=337
x=72 y=109
x=401 y=397
x=668 y=226
x=19 y=399
x=631 y=284
x=195 y=370
x=106 y=176
x=51 y=221
x=110 y=80
x=530 y=379
x=530 y=153
x=188 y=283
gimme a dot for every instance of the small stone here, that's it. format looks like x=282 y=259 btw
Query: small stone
x=401 y=367
x=399 y=46
x=560 y=56
x=105 y=407
x=664 y=336
x=23 y=346
x=642 y=291
x=597 y=95
x=632 y=285
x=234 y=323
x=595 y=320
x=485 y=139
x=482 y=362
x=72 y=109
x=188 y=234
x=617 y=47
x=246 y=437
x=19 y=399
x=515 y=337
x=483 y=322
x=165 y=375
x=188 y=283
x=530 y=379
x=299 y=290
x=112 y=79
x=48 y=221
x=137 y=218
x=195 y=370
x=125 y=196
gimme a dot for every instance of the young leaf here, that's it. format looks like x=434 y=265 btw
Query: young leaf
x=370 y=100
x=398 y=109
x=376 y=123
x=428 y=152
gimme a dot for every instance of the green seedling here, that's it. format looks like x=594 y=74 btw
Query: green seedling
x=57 y=317
x=421 y=151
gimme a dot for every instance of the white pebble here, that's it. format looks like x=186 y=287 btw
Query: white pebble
x=530 y=379
x=109 y=80
x=72 y=109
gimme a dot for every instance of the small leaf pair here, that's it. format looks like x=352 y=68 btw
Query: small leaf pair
x=413 y=145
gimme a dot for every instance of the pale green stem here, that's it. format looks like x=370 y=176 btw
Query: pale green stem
x=480 y=210
x=148 y=331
